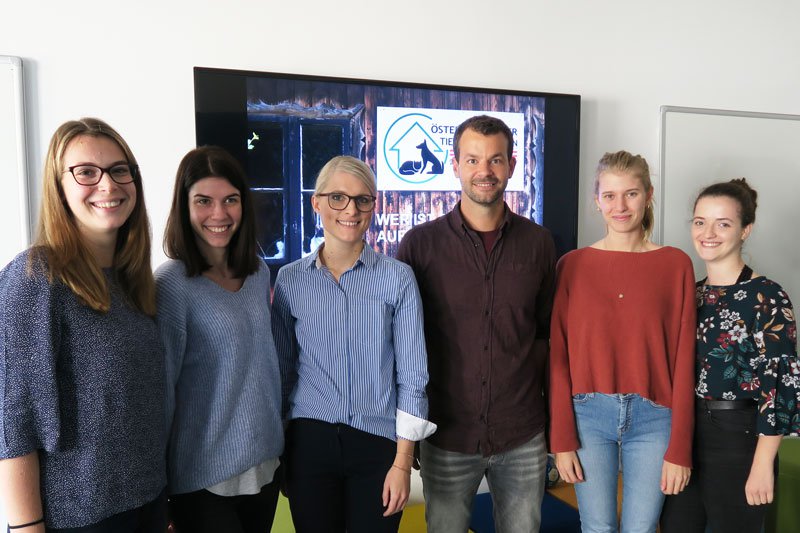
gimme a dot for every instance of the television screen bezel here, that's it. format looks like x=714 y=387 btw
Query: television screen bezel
x=220 y=121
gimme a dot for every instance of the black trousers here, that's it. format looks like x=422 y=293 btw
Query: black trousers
x=724 y=445
x=149 y=518
x=205 y=512
x=335 y=477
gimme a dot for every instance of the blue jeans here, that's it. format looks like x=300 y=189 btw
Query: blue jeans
x=516 y=482
x=620 y=432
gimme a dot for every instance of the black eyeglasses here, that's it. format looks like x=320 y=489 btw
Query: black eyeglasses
x=339 y=201
x=92 y=174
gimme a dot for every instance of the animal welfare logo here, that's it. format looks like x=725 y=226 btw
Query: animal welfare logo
x=411 y=151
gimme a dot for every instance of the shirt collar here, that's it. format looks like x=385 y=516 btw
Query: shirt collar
x=368 y=257
x=311 y=259
x=458 y=221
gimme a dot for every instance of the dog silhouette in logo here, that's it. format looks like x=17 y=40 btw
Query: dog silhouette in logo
x=437 y=167
x=418 y=167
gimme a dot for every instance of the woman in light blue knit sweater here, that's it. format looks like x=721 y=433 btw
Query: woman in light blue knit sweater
x=223 y=381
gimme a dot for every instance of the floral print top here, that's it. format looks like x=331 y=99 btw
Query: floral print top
x=746 y=348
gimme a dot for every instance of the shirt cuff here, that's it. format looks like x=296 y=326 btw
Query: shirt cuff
x=412 y=427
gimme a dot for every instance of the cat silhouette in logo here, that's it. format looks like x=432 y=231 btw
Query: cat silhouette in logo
x=410 y=167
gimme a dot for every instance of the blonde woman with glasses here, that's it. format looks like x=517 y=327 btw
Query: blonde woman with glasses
x=348 y=328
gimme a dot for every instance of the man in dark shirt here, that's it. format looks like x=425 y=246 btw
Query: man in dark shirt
x=486 y=276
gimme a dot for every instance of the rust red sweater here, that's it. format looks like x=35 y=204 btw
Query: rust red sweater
x=624 y=322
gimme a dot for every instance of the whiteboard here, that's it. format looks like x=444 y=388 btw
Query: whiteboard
x=703 y=146
x=14 y=215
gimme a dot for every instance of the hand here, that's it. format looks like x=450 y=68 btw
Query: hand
x=674 y=478
x=760 y=485
x=396 y=489
x=569 y=467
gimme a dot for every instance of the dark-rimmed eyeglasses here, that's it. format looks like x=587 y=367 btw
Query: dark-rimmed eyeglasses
x=339 y=201
x=92 y=174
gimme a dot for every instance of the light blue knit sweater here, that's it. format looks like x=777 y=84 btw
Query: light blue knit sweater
x=223 y=383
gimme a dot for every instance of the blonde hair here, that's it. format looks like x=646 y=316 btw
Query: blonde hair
x=348 y=165
x=623 y=162
x=60 y=244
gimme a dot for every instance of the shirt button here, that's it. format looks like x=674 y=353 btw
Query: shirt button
x=621 y=295
x=485 y=347
x=487 y=312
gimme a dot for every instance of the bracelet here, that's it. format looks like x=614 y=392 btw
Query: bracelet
x=21 y=526
x=407 y=471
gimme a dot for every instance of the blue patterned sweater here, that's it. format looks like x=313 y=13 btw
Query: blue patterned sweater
x=85 y=390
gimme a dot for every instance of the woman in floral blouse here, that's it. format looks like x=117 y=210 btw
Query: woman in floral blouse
x=748 y=376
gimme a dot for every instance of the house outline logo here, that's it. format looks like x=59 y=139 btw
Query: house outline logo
x=411 y=153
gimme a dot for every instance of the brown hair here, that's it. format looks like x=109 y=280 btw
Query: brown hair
x=60 y=243
x=179 y=238
x=739 y=191
x=485 y=125
x=623 y=162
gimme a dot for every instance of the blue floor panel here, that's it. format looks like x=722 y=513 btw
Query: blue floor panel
x=557 y=516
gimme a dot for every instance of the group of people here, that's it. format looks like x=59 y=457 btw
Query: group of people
x=129 y=399
x=685 y=388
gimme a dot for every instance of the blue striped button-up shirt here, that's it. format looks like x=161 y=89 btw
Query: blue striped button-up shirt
x=353 y=352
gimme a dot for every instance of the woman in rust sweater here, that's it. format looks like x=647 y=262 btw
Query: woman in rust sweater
x=621 y=359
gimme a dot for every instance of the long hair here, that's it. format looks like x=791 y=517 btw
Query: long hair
x=60 y=244
x=179 y=239
x=623 y=162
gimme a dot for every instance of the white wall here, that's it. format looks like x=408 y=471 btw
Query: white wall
x=132 y=64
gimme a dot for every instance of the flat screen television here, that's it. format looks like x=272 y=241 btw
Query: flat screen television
x=284 y=127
